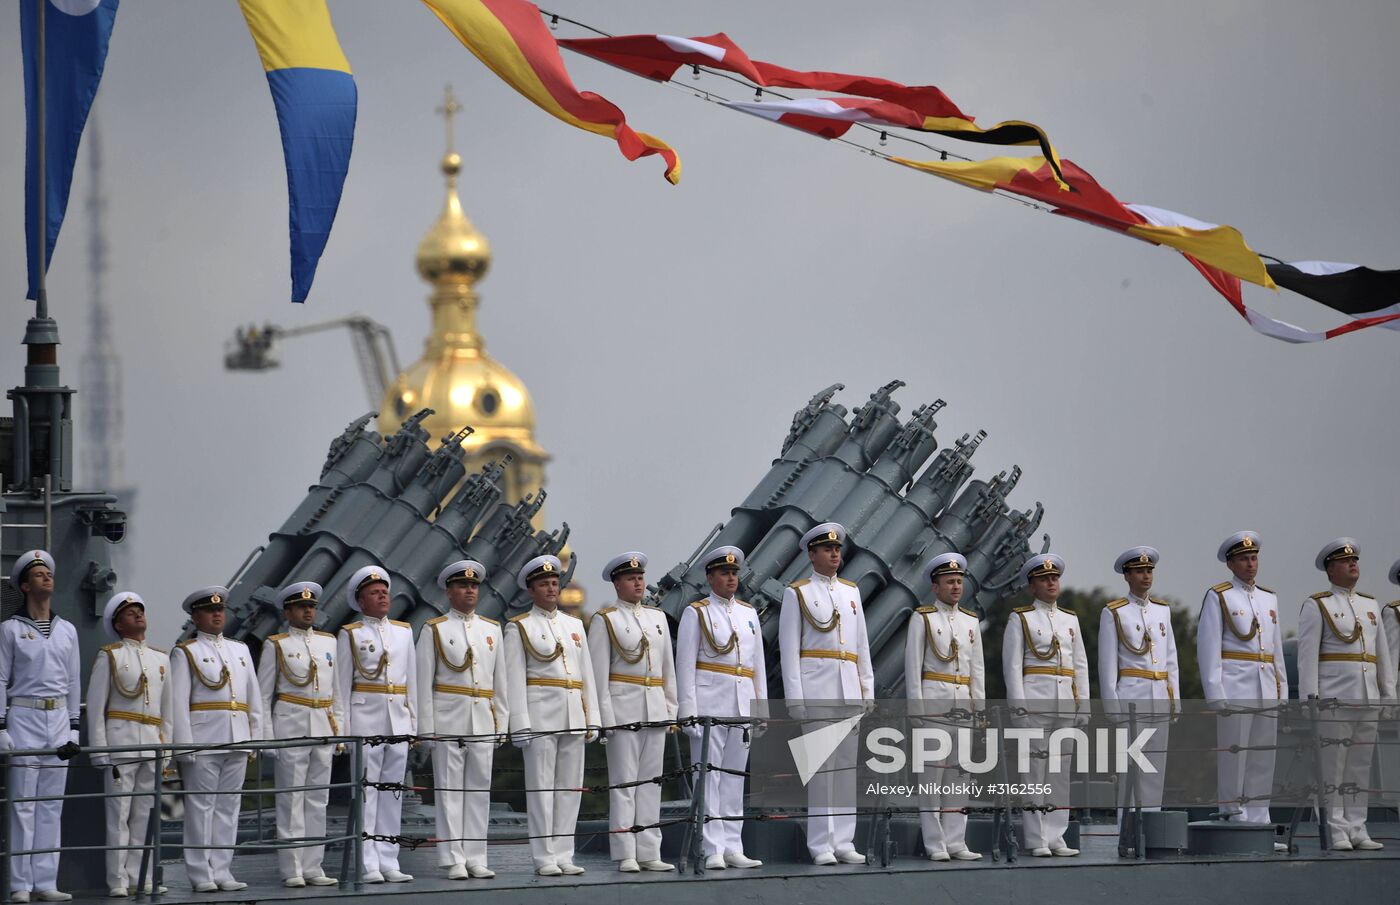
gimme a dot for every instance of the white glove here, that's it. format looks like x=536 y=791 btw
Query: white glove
x=73 y=736
x=520 y=740
x=6 y=743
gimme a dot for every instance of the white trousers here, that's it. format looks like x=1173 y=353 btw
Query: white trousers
x=944 y=825
x=724 y=792
x=1344 y=765
x=831 y=800
x=35 y=824
x=553 y=768
x=1247 y=775
x=383 y=811
x=462 y=800
x=1046 y=829
x=212 y=818
x=128 y=814
x=1148 y=786
x=632 y=756
x=302 y=815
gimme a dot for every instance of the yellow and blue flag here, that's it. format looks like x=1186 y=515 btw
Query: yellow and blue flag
x=76 y=35
x=316 y=101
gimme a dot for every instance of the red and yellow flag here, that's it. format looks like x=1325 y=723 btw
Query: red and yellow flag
x=512 y=40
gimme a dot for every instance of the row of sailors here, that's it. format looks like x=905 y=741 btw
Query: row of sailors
x=549 y=686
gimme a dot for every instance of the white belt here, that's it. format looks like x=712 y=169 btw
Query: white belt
x=40 y=703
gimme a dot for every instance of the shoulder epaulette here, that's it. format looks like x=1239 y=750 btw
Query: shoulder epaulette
x=1115 y=604
x=111 y=647
x=1024 y=609
x=400 y=624
x=322 y=634
x=1264 y=589
x=490 y=620
x=436 y=621
x=605 y=610
x=849 y=584
x=351 y=626
x=1321 y=595
x=1223 y=587
x=703 y=601
x=1069 y=612
x=926 y=609
x=968 y=612
x=800 y=582
x=743 y=603
x=1394 y=603
x=186 y=643
x=521 y=617
x=277 y=637
x=1363 y=594
x=1158 y=601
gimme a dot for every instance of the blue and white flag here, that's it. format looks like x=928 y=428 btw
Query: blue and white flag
x=76 y=34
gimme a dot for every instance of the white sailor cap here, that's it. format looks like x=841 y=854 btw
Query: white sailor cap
x=1237 y=543
x=1136 y=558
x=115 y=604
x=214 y=595
x=1341 y=548
x=623 y=563
x=1042 y=564
x=539 y=567
x=945 y=564
x=468 y=571
x=1395 y=572
x=825 y=533
x=724 y=557
x=362 y=578
x=301 y=592
x=28 y=560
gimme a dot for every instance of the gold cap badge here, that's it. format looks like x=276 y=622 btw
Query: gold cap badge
x=215 y=598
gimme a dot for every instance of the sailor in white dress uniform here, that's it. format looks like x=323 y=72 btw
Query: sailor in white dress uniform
x=945 y=680
x=1239 y=646
x=40 y=678
x=1047 y=673
x=554 y=710
x=128 y=703
x=296 y=674
x=1139 y=671
x=825 y=655
x=215 y=699
x=720 y=672
x=1343 y=654
x=629 y=645
x=376 y=693
x=462 y=715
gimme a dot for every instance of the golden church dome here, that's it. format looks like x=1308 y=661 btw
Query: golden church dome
x=456 y=378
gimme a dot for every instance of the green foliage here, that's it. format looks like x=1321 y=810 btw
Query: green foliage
x=1088 y=606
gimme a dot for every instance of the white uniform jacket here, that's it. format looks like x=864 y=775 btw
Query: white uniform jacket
x=462 y=677
x=1239 y=646
x=943 y=660
x=629 y=646
x=1342 y=649
x=376 y=682
x=1043 y=658
x=33 y=666
x=214 y=692
x=129 y=698
x=1137 y=656
x=296 y=676
x=550 y=675
x=720 y=669
x=822 y=642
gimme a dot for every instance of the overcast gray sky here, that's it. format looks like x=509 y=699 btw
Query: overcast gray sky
x=667 y=334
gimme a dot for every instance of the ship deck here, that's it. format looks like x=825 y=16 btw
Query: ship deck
x=1097 y=875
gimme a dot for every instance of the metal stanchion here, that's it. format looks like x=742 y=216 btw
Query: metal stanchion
x=5 y=841
x=354 y=821
x=694 y=843
x=1003 y=834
